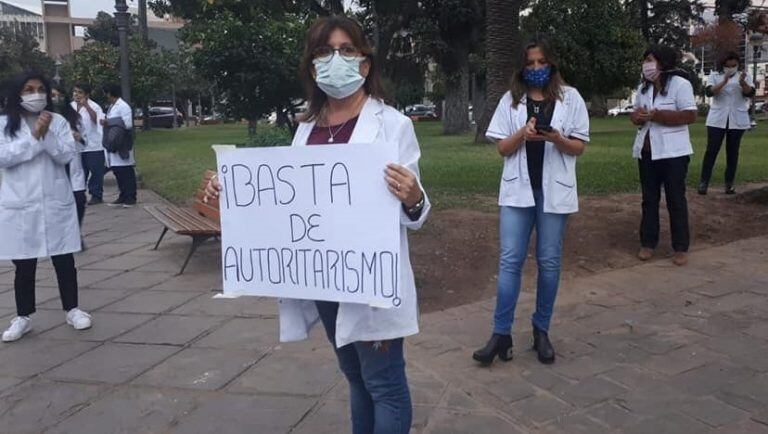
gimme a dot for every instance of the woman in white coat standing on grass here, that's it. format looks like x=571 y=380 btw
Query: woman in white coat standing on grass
x=346 y=106
x=38 y=217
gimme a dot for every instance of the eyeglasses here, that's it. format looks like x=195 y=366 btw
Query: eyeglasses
x=325 y=52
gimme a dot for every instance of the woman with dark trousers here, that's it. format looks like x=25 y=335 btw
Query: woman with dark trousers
x=62 y=106
x=728 y=118
x=664 y=108
x=38 y=217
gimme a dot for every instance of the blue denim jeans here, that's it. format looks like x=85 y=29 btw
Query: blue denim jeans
x=378 y=389
x=515 y=230
x=94 y=168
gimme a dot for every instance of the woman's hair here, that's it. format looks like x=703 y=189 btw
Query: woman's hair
x=317 y=36
x=85 y=87
x=13 y=109
x=112 y=89
x=554 y=89
x=69 y=113
x=730 y=55
x=668 y=59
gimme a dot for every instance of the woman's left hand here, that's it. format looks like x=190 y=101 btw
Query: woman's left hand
x=553 y=136
x=402 y=183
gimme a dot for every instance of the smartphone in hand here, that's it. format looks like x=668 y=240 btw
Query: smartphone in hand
x=543 y=129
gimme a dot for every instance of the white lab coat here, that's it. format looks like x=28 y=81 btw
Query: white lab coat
x=120 y=109
x=76 y=172
x=666 y=141
x=92 y=132
x=359 y=322
x=729 y=107
x=558 y=180
x=38 y=217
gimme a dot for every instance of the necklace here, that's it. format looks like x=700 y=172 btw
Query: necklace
x=332 y=134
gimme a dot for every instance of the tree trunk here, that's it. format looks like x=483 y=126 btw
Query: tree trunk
x=456 y=115
x=502 y=48
x=598 y=105
x=252 y=123
x=644 y=27
x=478 y=98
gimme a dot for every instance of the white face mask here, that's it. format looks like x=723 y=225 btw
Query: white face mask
x=339 y=76
x=730 y=71
x=34 y=102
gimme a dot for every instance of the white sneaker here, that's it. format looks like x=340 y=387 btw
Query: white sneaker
x=19 y=327
x=78 y=319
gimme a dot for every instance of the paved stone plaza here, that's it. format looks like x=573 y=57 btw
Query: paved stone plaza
x=652 y=349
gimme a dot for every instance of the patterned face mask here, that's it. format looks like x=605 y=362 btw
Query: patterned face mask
x=538 y=78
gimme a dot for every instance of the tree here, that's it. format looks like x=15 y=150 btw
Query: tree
x=726 y=9
x=254 y=66
x=104 y=29
x=449 y=31
x=20 y=51
x=502 y=45
x=665 y=21
x=600 y=52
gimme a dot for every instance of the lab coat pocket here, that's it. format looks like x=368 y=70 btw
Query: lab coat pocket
x=510 y=171
x=675 y=136
x=63 y=192
x=742 y=118
x=564 y=192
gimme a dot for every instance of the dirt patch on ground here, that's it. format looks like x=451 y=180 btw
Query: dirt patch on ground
x=455 y=255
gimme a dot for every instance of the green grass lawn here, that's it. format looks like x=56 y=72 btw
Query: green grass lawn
x=454 y=170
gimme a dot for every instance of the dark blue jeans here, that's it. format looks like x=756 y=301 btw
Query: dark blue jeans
x=515 y=230
x=378 y=389
x=94 y=168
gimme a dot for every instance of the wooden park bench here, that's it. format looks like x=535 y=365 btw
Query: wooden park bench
x=201 y=222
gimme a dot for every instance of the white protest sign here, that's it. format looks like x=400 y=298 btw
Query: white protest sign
x=310 y=222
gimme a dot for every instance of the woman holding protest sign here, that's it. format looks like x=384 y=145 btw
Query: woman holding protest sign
x=346 y=106
x=540 y=127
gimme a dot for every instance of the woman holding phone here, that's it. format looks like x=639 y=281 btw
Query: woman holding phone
x=540 y=126
x=664 y=108
x=728 y=118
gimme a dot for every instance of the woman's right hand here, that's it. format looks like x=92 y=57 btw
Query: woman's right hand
x=529 y=132
x=212 y=189
x=42 y=125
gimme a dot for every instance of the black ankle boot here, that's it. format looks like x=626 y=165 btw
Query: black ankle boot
x=543 y=346
x=729 y=189
x=500 y=345
x=703 y=188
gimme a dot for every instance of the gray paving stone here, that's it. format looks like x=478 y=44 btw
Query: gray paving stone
x=105 y=327
x=583 y=367
x=713 y=412
x=8 y=382
x=612 y=415
x=653 y=400
x=33 y=356
x=90 y=278
x=573 y=424
x=456 y=422
x=34 y=406
x=744 y=427
x=461 y=400
x=589 y=391
x=242 y=306
x=500 y=382
x=426 y=389
x=171 y=330
x=112 y=363
x=710 y=378
x=243 y=333
x=124 y=262
x=539 y=409
x=331 y=417
x=129 y=410
x=750 y=395
x=150 y=302
x=683 y=359
x=200 y=368
x=192 y=282
x=42 y=294
x=235 y=414
x=134 y=280
x=673 y=423
x=89 y=300
x=309 y=377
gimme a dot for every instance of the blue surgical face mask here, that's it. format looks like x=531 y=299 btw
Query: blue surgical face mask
x=338 y=76
x=538 y=78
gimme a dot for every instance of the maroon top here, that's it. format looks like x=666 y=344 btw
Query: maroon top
x=341 y=133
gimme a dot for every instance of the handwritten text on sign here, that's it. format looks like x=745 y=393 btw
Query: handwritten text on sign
x=310 y=222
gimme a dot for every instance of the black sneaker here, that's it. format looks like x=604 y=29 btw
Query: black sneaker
x=118 y=202
x=95 y=201
x=729 y=189
x=129 y=204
